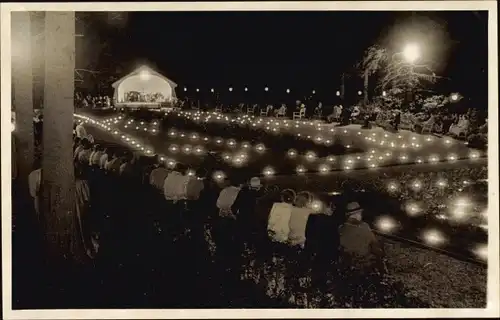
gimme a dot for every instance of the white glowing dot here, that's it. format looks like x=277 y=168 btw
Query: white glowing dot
x=260 y=147
x=187 y=148
x=268 y=171
x=218 y=141
x=447 y=141
x=330 y=158
x=481 y=251
x=173 y=148
x=385 y=224
x=127 y=139
x=205 y=139
x=292 y=153
x=162 y=158
x=301 y=169
x=412 y=209
x=310 y=156
x=324 y=168
x=434 y=159
x=245 y=145
x=219 y=175
x=474 y=155
x=231 y=142
x=441 y=183
x=392 y=186
x=171 y=163
x=433 y=237
x=316 y=205
x=452 y=157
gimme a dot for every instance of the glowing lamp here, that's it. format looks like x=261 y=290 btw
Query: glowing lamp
x=324 y=168
x=337 y=93
x=219 y=176
x=268 y=171
x=287 y=90
x=360 y=93
x=301 y=169
x=292 y=153
x=311 y=156
x=385 y=224
x=266 y=89
x=316 y=205
x=260 y=147
x=411 y=53
x=230 y=89
x=433 y=237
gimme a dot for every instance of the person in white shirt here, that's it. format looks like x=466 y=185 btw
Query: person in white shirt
x=103 y=159
x=95 y=158
x=84 y=155
x=80 y=131
x=34 y=182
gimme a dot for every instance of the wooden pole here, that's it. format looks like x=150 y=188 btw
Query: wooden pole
x=22 y=75
x=58 y=181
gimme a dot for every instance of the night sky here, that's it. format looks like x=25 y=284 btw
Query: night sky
x=299 y=50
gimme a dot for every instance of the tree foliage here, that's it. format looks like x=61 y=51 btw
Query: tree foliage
x=393 y=72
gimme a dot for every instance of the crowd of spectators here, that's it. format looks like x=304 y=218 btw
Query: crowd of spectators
x=92 y=101
x=230 y=218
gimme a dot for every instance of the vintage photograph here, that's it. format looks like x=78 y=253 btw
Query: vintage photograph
x=249 y=159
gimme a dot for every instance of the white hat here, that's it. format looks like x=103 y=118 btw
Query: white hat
x=255 y=182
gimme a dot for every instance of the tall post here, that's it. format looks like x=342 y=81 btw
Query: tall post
x=365 y=87
x=58 y=182
x=342 y=87
x=23 y=93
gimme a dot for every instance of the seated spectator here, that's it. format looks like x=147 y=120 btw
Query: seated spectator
x=158 y=176
x=113 y=164
x=298 y=221
x=281 y=111
x=96 y=155
x=278 y=224
x=82 y=205
x=360 y=248
x=174 y=187
x=227 y=197
x=34 y=182
x=244 y=207
x=80 y=131
x=104 y=158
x=84 y=155
x=461 y=127
x=78 y=147
x=355 y=112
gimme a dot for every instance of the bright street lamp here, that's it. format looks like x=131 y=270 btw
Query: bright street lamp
x=230 y=89
x=338 y=93
x=287 y=90
x=266 y=89
x=246 y=89
x=411 y=52
x=212 y=90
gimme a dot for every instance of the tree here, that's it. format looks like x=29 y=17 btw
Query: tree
x=58 y=182
x=371 y=63
x=23 y=92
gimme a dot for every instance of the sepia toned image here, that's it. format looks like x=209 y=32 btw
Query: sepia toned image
x=248 y=159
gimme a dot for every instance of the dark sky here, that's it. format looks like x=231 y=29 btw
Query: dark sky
x=298 y=50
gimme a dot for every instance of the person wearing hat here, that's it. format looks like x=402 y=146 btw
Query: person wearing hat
x=359 y=247
x=244 y=207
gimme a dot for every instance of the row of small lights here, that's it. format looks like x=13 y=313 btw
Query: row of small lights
x=311 y=155
x=432 y=237
x=319 y=139
x=212 y=90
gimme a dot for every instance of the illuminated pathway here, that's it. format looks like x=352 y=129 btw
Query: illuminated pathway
x=456 y=226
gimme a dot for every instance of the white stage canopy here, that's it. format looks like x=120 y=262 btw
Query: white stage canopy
x=146 y=85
